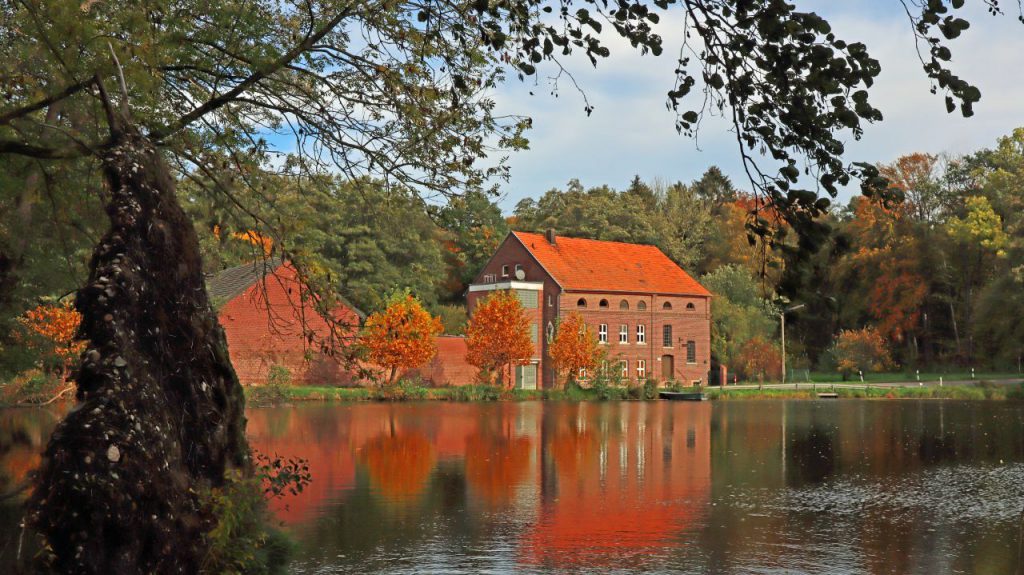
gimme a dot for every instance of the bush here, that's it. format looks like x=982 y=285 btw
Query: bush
x=861 y=350
x=275 y=390
x=243 y=540
x=650 y=389
x=34 y=387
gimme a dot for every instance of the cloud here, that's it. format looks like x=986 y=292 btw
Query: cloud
x=631 y=132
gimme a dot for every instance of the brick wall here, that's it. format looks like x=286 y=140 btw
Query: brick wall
x=268 y=324
x=687 y=325
x=449 y=367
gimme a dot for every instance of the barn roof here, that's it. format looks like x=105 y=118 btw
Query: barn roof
x=579 y=264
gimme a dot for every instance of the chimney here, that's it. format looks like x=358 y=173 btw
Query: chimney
x=550 y=236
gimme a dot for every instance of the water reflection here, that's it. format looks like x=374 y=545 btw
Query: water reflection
x=731 y=487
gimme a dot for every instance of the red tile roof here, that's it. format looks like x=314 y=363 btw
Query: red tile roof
x=592 y=265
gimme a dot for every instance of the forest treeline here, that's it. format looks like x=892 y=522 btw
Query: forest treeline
x=938 y=278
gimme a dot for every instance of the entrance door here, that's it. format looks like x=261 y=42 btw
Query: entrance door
x=667 y=367
x=526 y=376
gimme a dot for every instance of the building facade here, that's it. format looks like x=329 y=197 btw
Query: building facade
x=653 y=318
x=269 y=320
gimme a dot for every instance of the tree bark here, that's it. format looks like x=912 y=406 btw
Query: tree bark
x=160 y=415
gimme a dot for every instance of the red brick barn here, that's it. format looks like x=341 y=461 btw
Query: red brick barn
x=653 y=317
x=269 y=319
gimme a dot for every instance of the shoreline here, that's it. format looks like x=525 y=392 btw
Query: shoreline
x=982 y=390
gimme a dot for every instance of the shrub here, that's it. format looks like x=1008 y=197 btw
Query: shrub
x=243 y=540
x=759 y=360
x=650 y=389
x=275 y=390
x=861 y=350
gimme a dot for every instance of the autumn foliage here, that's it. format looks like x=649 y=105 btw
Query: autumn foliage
x=498 y=336
x=574 y=348
x=401 y=337
x=51 y=331
x=759 y=359
x=861 y=350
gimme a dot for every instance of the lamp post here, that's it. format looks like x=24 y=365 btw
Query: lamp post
x=782 y=323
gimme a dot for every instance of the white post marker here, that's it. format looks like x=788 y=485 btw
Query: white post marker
x=940 y=381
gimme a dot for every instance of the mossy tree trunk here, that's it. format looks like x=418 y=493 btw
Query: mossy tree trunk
x=160 y=414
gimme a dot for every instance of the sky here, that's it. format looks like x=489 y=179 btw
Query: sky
x=631 y=132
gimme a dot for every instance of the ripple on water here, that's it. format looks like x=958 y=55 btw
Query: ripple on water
x=955 y=493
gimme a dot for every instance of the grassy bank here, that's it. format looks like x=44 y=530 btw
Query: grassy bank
x=980 y=390
x=800 y=376
x=409 y=392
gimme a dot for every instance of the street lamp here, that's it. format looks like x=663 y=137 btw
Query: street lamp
x=782 y=323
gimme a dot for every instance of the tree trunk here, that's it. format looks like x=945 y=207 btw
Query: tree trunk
x=160 y=415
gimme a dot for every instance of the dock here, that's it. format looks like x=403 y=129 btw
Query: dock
x=828 y=395
x=682 y=396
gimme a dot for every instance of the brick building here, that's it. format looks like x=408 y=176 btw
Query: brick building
x=269 y=320
x=653 y=317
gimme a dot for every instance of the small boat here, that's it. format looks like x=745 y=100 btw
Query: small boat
x=682 y=396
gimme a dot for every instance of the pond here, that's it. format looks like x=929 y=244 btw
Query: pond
x=845 y=486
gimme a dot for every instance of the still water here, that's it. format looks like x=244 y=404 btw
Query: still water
x=927 y=487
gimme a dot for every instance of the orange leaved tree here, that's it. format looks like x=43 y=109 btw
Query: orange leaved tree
x=498 y=336
x=861 y=350
x=402 y=336
x=574 y=348
x=759 y=359
x=51 y=330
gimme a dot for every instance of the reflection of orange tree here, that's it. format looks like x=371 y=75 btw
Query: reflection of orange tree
x=573 y=450
x=496 y=464
x=399 y=464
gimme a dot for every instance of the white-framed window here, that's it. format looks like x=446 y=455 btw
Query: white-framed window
x=602 y=333
x=583 y=374
x=504 y=271
x=625 y=368
x=641 y=333
x=624 y=333
x=641 y=369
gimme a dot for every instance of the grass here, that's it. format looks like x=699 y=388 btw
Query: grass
x=981 y=390
x=905 y=376
x=411 y=392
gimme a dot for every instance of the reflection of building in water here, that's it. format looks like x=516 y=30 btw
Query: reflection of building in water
x=587 y=483
x=619 y=480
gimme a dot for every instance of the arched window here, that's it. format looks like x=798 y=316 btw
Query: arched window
x=603 y=304
x=641 y=305
x=582 y=302
x=667 y=306
x=691 y=307
x=623 y=304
